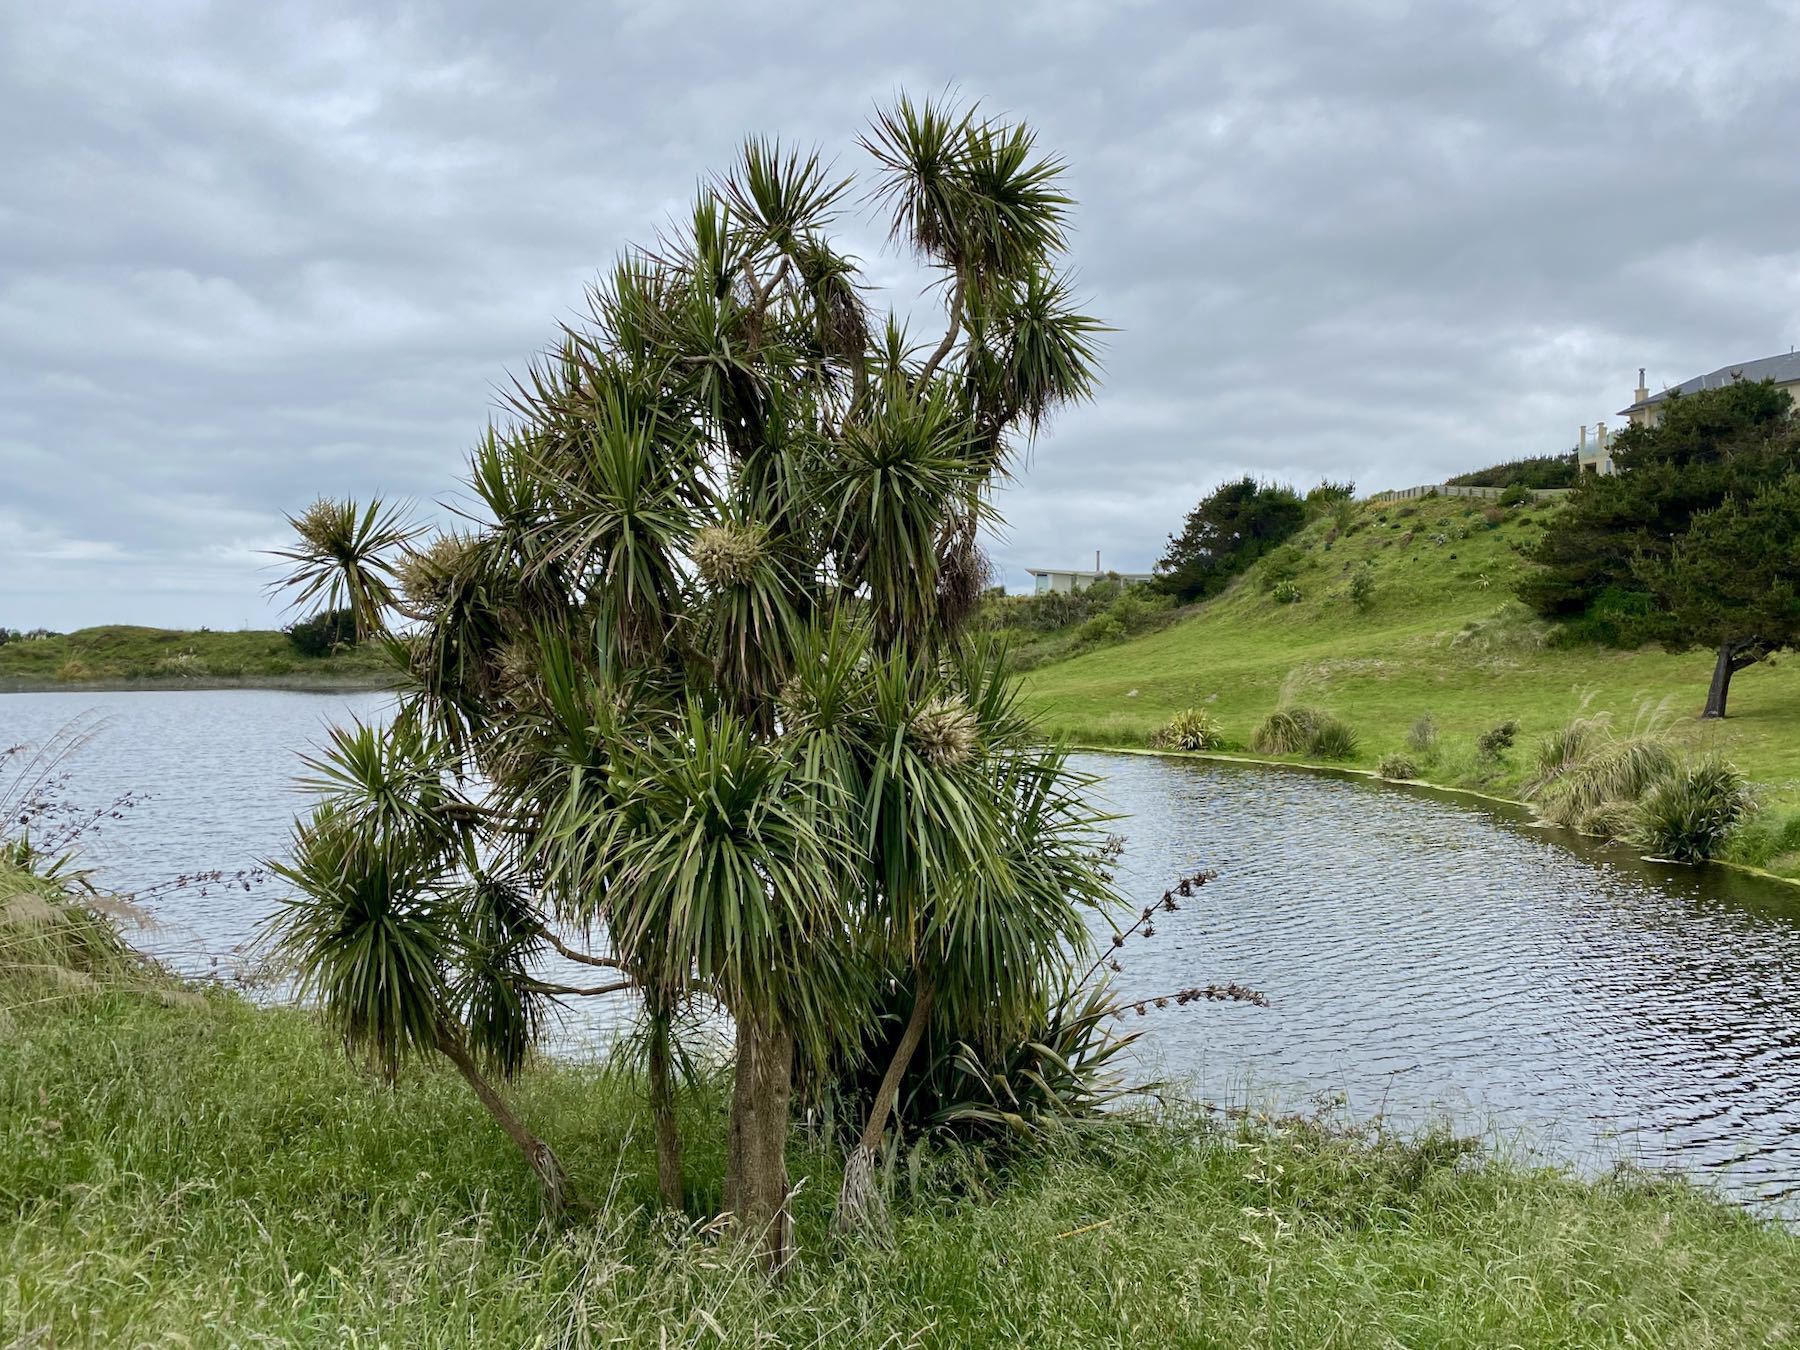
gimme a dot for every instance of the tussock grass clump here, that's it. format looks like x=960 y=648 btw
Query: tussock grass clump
x=1608 y=820
x=1422 y=736
x=1687 y=816
x=1397 y=766
x=1305 y=731
x=1190 y=729
x=1286 y=731
x=58 y=936
x=1562 y=750
x=1638 y=787
x=1613 y=769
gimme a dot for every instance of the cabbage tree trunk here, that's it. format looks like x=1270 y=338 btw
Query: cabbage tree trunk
x=859 y=1199
x=545 y=1165
x=662 y=1112
x=756 y=1176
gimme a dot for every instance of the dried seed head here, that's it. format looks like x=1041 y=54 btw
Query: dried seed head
x=728 y=555
x=516 y=671
x=795 y=703
x=944 y=731
x=427 y=575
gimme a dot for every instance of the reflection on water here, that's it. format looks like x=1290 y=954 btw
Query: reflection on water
x=1424 y=958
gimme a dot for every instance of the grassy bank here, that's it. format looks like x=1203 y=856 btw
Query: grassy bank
x=211 y=1174
x=120 y=654
x=1439 y=635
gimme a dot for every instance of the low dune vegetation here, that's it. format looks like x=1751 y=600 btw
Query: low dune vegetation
x=123 y=654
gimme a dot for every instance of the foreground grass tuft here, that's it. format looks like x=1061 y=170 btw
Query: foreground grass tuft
x=220 y=1175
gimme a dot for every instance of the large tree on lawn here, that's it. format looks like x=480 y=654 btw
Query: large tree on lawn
x=1708 y=446
x=704 y=648
x=1732 y=583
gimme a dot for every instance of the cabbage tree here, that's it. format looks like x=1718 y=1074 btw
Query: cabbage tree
x=691 y=696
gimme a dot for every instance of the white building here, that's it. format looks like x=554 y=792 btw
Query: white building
x=1065 y=579
x=1646 y=408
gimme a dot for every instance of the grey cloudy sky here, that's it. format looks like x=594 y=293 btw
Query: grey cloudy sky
x=252 y=253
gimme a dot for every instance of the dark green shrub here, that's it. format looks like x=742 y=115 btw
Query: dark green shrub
x=322 y=634
x=1618 y=618
x=1362 y=588
x=1496 y=740
x=1286 y=592
x=1333 y=739
x=1538 y=471
x=1516 y=495
x=1327 y=496
x=1686 y=816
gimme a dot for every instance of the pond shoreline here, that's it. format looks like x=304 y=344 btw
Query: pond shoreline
x=1372 y=775
x=374 y=682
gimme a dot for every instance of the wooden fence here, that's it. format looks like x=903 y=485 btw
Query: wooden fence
x=1457 y=490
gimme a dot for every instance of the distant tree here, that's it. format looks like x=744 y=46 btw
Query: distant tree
x=1708 y=447
x=1230 y=528
x=1732 y=583
x=324 y=633
x=1534 y=471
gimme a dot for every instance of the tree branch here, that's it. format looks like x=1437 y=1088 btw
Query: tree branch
x=943 y=348
x=544 y=987
x=585 y=958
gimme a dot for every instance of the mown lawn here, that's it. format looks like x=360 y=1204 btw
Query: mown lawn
x=209 y=1174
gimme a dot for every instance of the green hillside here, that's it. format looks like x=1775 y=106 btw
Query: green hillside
x=123 y=654
x=1440 y=635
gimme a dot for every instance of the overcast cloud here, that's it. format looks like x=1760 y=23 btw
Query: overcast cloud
x=254 y=253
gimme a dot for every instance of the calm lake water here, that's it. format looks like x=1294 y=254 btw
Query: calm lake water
x=1425 y=959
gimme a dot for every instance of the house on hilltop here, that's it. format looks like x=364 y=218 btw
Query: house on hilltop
x=1064 y=580
x=1646 y=408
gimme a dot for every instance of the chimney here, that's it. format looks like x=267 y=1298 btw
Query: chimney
x=1096 y=562
x=1600 y=437
x=1583 y=450
x=1643 y=391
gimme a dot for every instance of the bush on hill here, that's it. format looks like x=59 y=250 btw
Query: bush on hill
x=1532 y=472
x=324 y=633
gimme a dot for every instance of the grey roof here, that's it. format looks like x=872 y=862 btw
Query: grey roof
x=1783 y=369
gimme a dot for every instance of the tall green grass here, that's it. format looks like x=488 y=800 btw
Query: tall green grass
x=222 y=1176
